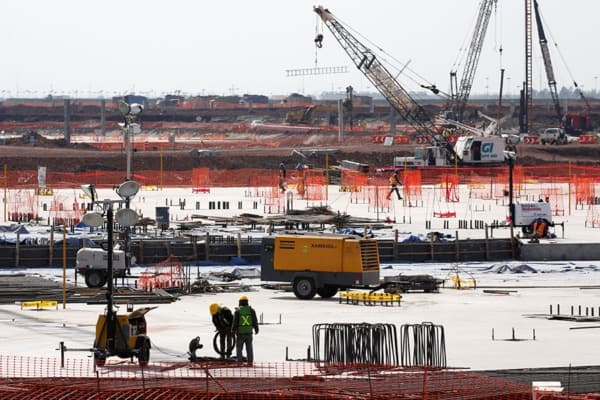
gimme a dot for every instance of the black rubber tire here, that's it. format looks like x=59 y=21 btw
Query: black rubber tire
x=217 y=344
x=304 y=288
x=327 y=291
x=99 y=358
x=95 y=279
x=144 y=353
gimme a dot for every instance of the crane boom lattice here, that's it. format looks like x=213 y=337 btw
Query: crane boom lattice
x=368 y=63
x=468 y=75
x=316 y=71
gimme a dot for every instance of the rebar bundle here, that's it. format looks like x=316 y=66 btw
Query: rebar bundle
x=356 y=343
x=423 y=345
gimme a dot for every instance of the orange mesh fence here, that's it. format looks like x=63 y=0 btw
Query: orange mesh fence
x=585 y=190
x=273 y=199
x=412 y=186
x=592 y=218
x=43 y=378
x=314 y=185
x=201 y=180
x=449 y=185
x=166 y=274
x=377 y=194
x=352 y=181
x=255 y=177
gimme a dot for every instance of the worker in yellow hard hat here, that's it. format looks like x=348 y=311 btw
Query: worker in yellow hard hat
x=222 y=318
x=244 y=322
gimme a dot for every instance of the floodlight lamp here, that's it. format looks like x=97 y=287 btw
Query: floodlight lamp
x=135 y=108
x=128 y=189
x=92 y=219
x=126 y=217
x=123 y=108
x=90 y=191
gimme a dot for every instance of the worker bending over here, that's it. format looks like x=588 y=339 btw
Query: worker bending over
x=222 y=319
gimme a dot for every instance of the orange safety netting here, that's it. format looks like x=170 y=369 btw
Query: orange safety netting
x=412 y=186
x=273 y=198
x=314 y=184
x=377 y=195
x=44 y=378
x=201 y=180
x=249 y=177
x=352 y=181
x=554 y=196
x=592 y=218
x=167 y=273
x=585 y=190
x=449 y=184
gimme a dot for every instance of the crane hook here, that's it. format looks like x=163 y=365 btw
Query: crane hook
x=319 y=40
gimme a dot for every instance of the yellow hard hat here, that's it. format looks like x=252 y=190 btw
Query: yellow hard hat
x=214 y=307
x=242 y=298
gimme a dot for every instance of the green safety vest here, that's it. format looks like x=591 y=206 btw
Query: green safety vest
x=245 y=322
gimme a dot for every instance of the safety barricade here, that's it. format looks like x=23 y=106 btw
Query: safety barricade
x=400 y=139
x=39 y=304
x=421 y=140
x=463 y=283
x=531 y=140
x=369 y=299
x=587 y=139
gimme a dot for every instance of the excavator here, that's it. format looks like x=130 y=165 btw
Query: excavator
x=571 y=123
x=306 y=116
x=468 y=150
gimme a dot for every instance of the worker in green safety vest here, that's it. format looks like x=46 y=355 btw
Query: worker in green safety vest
x=244 y=322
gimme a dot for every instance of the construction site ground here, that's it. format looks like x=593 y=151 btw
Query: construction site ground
x=263 y=152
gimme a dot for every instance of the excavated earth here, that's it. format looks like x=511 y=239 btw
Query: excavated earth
x=82 y=157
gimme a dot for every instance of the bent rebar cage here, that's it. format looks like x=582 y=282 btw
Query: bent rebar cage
x=356 y=343
x=423 y=345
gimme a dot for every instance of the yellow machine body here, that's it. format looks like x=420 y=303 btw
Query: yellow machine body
x=320 y=264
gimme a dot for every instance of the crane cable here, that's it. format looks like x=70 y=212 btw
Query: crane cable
x=403 y=66
x=564 y=62
x=460 y=56
x=318 y=38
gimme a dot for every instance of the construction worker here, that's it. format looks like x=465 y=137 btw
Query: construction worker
x=394 y=183
x=282 y=178
x=244 y=322
x=222 y=319
x=540 y=228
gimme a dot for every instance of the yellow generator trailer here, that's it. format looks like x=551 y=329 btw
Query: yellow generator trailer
x=128 y=334
x=320 y=264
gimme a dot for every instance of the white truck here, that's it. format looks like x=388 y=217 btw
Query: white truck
x=92 y=264
x=553 y=136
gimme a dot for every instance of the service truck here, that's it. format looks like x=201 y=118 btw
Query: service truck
x=92 y=264
x=320 y=264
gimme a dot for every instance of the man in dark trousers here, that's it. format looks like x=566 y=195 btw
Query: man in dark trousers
x=394 y=183
x=222 y=319
x=244 y=322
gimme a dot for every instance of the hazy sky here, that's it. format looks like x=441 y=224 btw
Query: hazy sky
x=84 y=48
